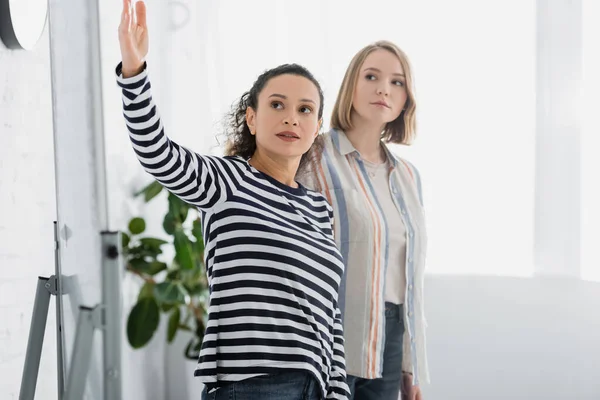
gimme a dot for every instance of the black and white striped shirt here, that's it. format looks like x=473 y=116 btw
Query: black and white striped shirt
x=273 y=266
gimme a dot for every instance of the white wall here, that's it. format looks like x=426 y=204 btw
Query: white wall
x=27 y=211
x=498 y=338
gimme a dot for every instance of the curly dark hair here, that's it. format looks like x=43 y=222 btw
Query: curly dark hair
x=239 y=141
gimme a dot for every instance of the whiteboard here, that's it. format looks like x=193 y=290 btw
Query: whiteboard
x=79 y=164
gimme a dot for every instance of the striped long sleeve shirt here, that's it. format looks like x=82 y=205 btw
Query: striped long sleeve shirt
x=273 y=267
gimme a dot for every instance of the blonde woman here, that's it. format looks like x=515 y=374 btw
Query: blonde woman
x=378 y=223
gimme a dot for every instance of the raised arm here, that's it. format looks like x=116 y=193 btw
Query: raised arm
x=198 y=180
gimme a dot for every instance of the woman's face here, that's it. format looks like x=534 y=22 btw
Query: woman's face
x=286 y=120
x=380 y=93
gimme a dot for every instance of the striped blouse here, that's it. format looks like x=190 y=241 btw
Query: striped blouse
x=273 y=266
x=362 y=234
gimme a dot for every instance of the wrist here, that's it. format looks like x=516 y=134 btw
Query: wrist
x=128 y=71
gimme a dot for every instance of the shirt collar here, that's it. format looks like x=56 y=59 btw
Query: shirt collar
x=344 y=146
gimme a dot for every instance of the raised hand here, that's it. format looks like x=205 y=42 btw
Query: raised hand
x=133 y=38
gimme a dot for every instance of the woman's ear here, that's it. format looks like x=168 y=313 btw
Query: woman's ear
x=251 y=119
x=319 y=127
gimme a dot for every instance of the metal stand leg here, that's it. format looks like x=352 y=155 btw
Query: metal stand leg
x=112 y=276
x=88 y=320
x=105 y=316
x=60 y=291
x=35 y=342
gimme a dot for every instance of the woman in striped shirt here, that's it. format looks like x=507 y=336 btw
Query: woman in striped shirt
x=274 y=327
x=379 y=224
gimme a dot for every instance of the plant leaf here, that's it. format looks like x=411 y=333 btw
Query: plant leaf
x=142 y=251
x=173 y=274
x=150 y=191
x=192 y=350
x=155 y=267
x=169 y=293
x=197 y=232
x=184 y=210
x=142 y=322
x=187 y=352
x=178 y=208
x=146 y=291
x=183 y=249
x=200 y=328
x=195 y=290
x=152 y=242
x=140 y=265
x=137 y=225
x=145 y=188
x=173 y=324
x=169 y=224
x=125 y=239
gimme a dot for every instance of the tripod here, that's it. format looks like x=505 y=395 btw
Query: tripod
x=105 y=317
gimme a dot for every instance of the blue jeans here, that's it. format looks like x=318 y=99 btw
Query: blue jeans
x=286 y=385
x=388 y=386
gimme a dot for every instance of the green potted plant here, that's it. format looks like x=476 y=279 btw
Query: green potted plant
x=178 y=288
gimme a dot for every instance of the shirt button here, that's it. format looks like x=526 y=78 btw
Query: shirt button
x=409 y=314
x=411 y=234
x=410 y=287
x=412 y=339
x=410 y=260
x=403 y=211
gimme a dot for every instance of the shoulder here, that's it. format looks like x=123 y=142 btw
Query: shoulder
x=327 y=135
x=315 y=196
x=333 y=137
x=408 y=167
x=318 y=199
x=235 y=161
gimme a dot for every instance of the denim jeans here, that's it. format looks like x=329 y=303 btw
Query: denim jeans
x=388 y=386
x=292 y=385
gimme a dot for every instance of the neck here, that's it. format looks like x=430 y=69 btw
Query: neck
x=282 y=169
x=365 y=136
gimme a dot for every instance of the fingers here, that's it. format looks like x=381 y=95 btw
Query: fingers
x=126 y=16
x=126 y=8
x=140 y=12
x=414 y=394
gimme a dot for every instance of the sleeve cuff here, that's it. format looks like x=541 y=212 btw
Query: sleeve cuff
x=132 y=79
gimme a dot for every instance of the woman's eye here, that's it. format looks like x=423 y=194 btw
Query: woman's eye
x=370 y=77
x=305 y=110
x=276 y=105
x=399 y=83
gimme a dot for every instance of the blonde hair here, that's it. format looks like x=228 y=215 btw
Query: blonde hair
x=400 y=131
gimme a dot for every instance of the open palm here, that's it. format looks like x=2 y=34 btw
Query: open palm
x=133 y=38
